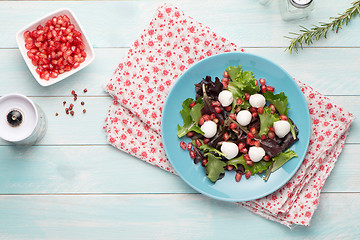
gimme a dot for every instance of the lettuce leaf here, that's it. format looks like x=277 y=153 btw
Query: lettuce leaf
x=206 y=148
x=280 y=102
x=282 y=158
x=241 y=81
x=214 y=167
x=267 y=120
x=257 y=167
x=190 y=117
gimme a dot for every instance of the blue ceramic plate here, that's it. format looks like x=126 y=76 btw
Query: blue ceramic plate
x=227 y=189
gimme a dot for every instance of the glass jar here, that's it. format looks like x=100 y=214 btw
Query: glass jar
x=295 y=9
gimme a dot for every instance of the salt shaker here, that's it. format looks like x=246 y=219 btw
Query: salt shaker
x=295 y=9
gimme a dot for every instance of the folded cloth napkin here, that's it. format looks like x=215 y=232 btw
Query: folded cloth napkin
x=141 y=82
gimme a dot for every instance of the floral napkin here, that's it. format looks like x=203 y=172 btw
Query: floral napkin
x=141 y=82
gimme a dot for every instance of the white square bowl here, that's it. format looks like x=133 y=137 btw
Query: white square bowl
x=90 y=55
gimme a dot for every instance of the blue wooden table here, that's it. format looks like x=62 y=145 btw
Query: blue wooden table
x=73 y=185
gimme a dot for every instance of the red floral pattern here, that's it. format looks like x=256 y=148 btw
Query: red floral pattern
x=141 y=82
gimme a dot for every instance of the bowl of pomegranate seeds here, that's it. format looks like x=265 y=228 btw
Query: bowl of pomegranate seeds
x=55 y=47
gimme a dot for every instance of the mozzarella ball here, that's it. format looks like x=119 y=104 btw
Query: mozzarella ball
x=225 y=98
x=209 y=128
x=282 y=128
x=243 y=117
x=257 y=100
x=229 y=149
x=256 y=153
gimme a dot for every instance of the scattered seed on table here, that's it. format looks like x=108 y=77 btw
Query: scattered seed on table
x=84 y=111
x=64 y=102
x=85 y=90
x=82 y=103
x=72 y=113
x=73 y=92
x=56 y=114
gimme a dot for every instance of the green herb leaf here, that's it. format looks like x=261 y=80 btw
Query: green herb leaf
x=282 y=158
x=278 y=100
x=257 y=167
x=190 y=117
x=214 y=167
x=206 y=148
x=267 y=120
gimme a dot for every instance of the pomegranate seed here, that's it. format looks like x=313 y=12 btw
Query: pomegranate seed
x=271 y=129
x=189 y=134
x=248 y=141
x=241 y=145
x=198 y=142
x=250 y=135
x=72 y=113
x=256 y=82
x=248 y=174
x=183 y=145
x=84 y=110
x=232 y=126
x=246 y=157
x=64 y=102
x=85 y=90
x=226 y=136
x=254 y=114
x=263 y=137
x=252 y=109
x=201 y=121
x=75 y=98
x=244 y=150
x=262 y=81
x=271 y=135
x=56 y=114
x=82 y=103
x=192 y=154
x=226 y=74
x=266 y=158
x=70 y=108
x=263 y=88
x=204 y=162
x=228 y=108
x=238 y=177
x=212 y=116
x=283 y=117
x=239 y=101
x=73 y=92
x=71 y=105
x=216 y=120
x=237 y=109
x=206 y=140
x=229 y=167
x=260 y=110
x=225 y=86
x=253 y=130
x=249 y=163
x=225 y=80
x=192 y=104
x=272 y=107
x=232 y=116
x=215 y=104
x=206 y=117
x=257 y=144
x=247 y=96
x=218 y=110
x=270 y=88
x=189 y=146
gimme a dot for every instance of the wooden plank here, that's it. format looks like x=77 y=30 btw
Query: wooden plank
x=189 y=216
x=118 y=24
x=104 y=169
x=338 y=79
x=88 y=127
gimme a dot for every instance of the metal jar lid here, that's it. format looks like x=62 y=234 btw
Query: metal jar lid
x=301 y=3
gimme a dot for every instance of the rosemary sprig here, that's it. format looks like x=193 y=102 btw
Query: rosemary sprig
x=307 y=36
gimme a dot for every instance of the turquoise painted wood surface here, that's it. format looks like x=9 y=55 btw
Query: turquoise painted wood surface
x=73 y=185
